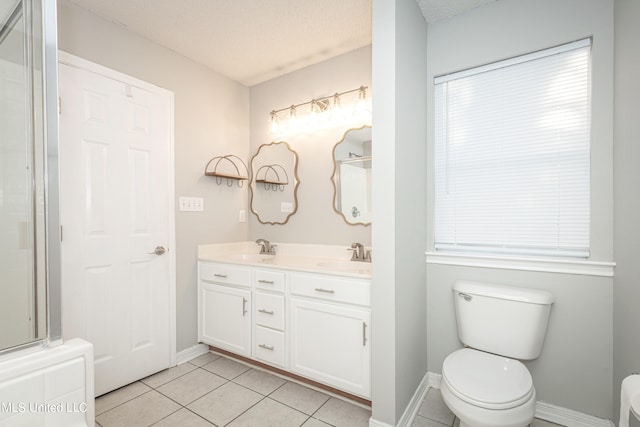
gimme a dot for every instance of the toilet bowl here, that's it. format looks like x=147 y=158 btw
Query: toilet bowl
x=485 y=384
x=486 y=390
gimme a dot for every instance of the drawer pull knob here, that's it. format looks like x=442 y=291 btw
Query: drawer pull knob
x=223 y=276
x=326 y=291
x=266 y=347
x=268 y=282
x=262 y=310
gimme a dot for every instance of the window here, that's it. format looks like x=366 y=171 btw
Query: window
x=512 y=155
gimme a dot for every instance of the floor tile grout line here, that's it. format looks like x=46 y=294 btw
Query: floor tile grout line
x=320 y=407
x=246 y=410
x=200 y=416
x=126 y=401
x=201 y=368
x=263 y=398
x=289 y=406
x=296 y=409
x=292 y=380
x=151 y=388
x=160 y=385
x=199 y=397
x=282 y=403
x=278 y=388
x=168 y=415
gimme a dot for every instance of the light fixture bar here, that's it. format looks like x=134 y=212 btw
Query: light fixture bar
x=320 y=101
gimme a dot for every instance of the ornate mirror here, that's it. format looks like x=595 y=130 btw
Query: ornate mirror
x=352 y=176
x=274 y=183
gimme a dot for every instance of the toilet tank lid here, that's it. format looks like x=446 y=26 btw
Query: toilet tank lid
x=526 y=295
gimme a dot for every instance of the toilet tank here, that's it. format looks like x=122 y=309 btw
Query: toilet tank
x=503 y=320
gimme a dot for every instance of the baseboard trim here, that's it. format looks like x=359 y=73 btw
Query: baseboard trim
x=406 y=420
x=567 y=417
x=548 y=412
x=376 y=423
x=412 y=408
x=434 y=380
x=191 y=353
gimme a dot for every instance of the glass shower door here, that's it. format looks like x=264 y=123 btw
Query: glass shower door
x=21 y=179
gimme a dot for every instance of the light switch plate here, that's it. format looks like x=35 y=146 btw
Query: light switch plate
x=191 y=204
x=242 y=216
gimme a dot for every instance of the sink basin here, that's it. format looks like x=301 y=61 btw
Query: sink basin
x=347 y=266
x=251 y=257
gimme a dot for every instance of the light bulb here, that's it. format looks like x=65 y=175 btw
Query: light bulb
x=336 y=109
x=314 y=120
x=293 y=118
x=275 y=126
x=362 y=105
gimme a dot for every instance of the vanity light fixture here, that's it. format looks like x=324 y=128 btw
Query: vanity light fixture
x=336 y=109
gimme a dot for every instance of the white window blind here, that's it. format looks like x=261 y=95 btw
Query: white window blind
x=512 y=155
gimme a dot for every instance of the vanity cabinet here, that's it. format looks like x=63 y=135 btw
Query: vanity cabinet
x=330 y=331
x=314 y=325
x=224 y=299
x=269 y=338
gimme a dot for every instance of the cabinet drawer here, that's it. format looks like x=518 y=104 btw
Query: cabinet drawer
x=269 y=310
x=225 y=273
x=269 y=280
x=269 y=346
x=332 y=288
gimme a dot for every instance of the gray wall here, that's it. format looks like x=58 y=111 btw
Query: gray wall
x=575 y=368
x=211 y=119
x=399 y=140
x=626 y=295
x=315 y=221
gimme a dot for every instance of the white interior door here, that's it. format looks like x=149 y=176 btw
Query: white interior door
x=116 y=209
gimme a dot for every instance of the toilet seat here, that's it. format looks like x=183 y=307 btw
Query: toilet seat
x=487 y=380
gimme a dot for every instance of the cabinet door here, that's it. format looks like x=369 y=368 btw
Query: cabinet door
x=225 y=318
x=330 y=344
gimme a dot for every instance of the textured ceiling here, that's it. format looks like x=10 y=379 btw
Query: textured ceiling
x=249 y=41
x=436 y=10
x=252 y=41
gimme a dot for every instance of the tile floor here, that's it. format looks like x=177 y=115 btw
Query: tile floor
x=213 y=390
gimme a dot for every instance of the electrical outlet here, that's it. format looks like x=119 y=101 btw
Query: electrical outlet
x=242 y=216
x=286 y=207
x=191 y=204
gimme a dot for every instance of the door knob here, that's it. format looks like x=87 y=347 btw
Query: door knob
x=159 y=250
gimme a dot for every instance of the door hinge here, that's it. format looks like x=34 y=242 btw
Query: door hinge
x=61 y=233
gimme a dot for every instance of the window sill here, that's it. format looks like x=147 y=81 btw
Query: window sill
x=586 y=268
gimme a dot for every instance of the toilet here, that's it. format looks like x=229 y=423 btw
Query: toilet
x=485 y=384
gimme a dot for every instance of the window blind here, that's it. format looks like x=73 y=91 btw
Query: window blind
x=512 y=155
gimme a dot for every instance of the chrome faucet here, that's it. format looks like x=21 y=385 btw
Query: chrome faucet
x=359 y=253
x=266 y=247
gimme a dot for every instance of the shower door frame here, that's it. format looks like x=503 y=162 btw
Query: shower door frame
x=47 y=86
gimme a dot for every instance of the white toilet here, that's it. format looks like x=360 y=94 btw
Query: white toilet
x=484 y=385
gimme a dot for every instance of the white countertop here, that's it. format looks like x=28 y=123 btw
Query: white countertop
x=325 y=259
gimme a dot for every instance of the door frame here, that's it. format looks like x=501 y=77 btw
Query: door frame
x=83 y=64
